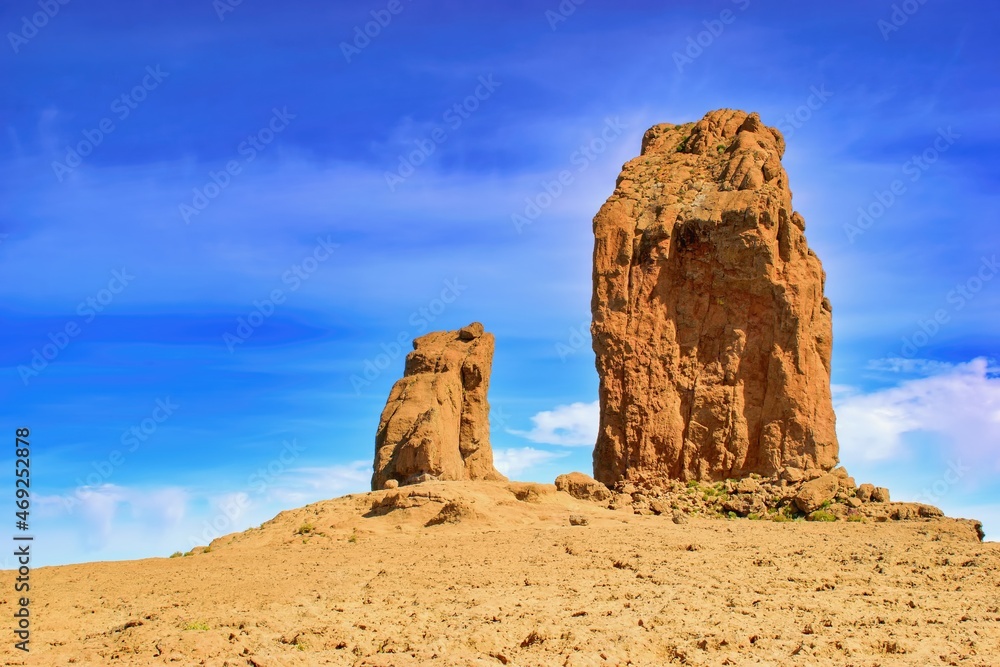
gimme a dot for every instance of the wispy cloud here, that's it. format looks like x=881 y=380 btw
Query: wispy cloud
x=959 y=403
x=573 y=425
x=515 y=461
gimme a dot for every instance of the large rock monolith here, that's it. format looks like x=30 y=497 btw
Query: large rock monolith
x=711 y=330
x=435 y=424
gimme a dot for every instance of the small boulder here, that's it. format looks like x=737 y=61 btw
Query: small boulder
x=658 y=507
x=748 y=485
x=680 y=517
x=390 y=484
x=793 y=475
x=583 y=487
x=865 y=492
x=814 y=493
x=578 y=520
x=880 y=494
x=471 y=332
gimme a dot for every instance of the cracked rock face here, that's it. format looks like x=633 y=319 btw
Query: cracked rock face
x=436 y=421
x=711 y=331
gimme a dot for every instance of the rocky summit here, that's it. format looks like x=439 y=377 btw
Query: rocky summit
x=435 y=424
x=711 y=331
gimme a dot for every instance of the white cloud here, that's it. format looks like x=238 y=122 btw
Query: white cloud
x=514 y=461
x=570 y=425
x=304 y=485
x=959 y=403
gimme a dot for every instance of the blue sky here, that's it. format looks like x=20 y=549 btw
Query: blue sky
x=227 y=222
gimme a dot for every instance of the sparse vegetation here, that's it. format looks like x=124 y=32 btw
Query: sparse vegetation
x=822 y=515
x=721 y=148
x=176 y=554
x=305 y=529
x=354 y=536
x=188 y=553
x=197 y=625
x=856 y=518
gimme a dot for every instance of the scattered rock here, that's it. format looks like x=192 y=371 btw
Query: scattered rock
x=865 y=492
x=453 y=512
x=711 y=331
x=680 y=518
x=583 y=487
x=813 y=494
x=578 y=520
x=435 y=424
x=792 y=475
x=880 y=494
x=530 y=492
x=471 y=331
x=390 y=484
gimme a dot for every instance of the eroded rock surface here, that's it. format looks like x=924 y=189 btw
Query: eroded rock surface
x=710 y=327
x=435 y=424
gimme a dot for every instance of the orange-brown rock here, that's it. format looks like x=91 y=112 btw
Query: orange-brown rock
x=436 y=421
x=711 y=330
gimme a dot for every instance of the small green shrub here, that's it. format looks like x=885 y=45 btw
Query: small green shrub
x=176 y=554
x=197 y=625
x=778 y=517
x=305 y=529
x=822 y=515
x=856 y=518
x=354 y=536
x=721 y=148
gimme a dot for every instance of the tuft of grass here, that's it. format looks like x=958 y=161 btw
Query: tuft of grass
x=754 y=517
x=188 y=553
x=692 y=483
x=778 y=517
x=732 y=515
x=822 y=515
x=176 y=554
x=207 y=550
x=856 y=518
x=197 y=625
x=305 y=529
x=354 y=536
x=721 y=148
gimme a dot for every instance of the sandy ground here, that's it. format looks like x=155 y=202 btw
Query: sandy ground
x=513 y=583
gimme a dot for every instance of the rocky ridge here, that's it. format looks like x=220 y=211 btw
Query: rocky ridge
x=792 y=494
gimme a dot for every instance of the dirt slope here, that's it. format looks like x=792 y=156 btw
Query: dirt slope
x=501 y=577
